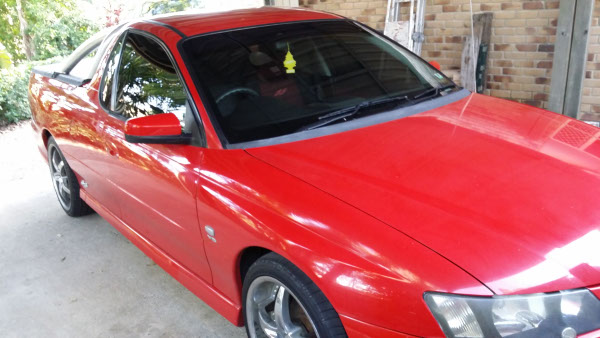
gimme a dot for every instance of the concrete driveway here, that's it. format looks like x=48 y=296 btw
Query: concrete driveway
x=79 y=277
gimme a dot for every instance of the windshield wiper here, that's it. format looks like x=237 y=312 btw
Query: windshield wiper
x=435 y=91
x=351 y=111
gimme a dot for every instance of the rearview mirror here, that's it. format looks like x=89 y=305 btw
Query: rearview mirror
x=159 y=128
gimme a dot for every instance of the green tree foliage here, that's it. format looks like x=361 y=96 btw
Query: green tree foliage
x=56 y=27
x=9 y=29
x=5 y=61
x=170 y=6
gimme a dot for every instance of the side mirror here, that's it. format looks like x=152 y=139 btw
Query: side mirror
x=436 y=65
x=160 y=128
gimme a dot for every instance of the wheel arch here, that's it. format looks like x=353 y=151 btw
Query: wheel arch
x=247 y=257
x=251 y=254
x=45 y=137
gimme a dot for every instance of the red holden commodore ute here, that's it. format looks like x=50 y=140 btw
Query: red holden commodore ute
x=305 y=176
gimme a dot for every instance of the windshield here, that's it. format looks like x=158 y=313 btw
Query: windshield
x=270 y=81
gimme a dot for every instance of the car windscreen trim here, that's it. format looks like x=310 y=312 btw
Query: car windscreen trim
x=362 y=122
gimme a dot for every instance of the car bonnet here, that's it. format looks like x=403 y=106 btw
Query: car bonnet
x=508 y=192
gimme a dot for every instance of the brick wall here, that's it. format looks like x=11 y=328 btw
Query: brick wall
x=522 y=44
x=371 y=13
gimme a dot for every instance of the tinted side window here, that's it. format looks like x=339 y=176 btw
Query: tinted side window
x=109 y=75
x=147 y=81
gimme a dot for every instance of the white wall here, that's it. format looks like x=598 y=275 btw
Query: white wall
x=96 y=10
x=224 y=5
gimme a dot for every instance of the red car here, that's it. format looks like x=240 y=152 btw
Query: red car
x=307 y=177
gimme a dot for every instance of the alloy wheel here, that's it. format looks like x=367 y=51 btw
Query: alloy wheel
x=274 y=311
x=60 y=178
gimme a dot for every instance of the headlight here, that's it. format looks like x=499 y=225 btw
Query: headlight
x=563 y=314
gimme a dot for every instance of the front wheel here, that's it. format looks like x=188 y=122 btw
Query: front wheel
x=65 y=182
x=281 y=301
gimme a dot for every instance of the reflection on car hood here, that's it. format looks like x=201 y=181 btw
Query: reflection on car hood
x=508 y=192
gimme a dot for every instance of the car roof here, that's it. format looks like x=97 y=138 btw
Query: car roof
x=190 y=23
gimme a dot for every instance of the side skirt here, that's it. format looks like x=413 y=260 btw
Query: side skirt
x=216 y=300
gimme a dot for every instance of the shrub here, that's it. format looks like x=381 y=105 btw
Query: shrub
x=14 y=82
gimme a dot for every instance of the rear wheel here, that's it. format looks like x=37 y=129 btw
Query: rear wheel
x=65 y=182
x=281 y=301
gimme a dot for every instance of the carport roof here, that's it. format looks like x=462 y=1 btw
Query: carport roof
x=199 y=23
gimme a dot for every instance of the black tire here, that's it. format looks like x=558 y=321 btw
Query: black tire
x=321 y=313
x=74 y=206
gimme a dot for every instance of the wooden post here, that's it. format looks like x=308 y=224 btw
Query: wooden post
x=482 y=28
x=570 y=53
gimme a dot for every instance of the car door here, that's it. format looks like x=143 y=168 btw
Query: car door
x=156 y=182
x=87 y=147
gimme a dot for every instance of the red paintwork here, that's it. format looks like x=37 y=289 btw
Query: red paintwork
x=153 y=125
x=357 y=328
x=436 y=65
x=193 y=24
x=374 y=216
x=483 y=172
x=596 y=291
x=593 y=334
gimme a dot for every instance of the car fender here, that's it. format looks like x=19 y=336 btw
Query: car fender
x=367 y=269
